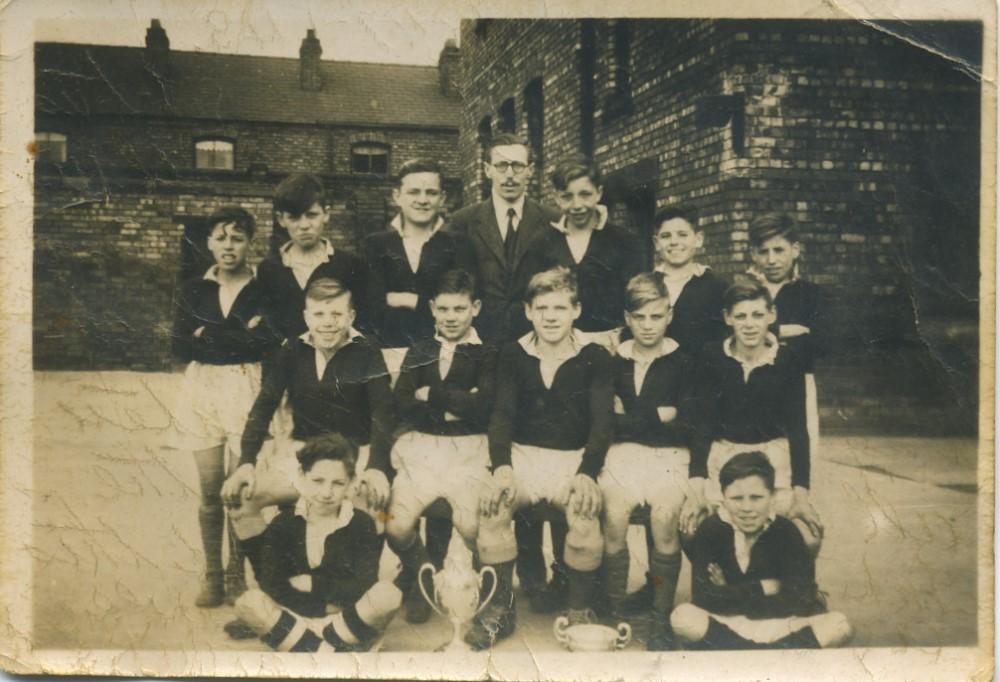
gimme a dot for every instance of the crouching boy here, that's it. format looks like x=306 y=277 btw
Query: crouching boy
x=444 y=395
x=753 y=578
x=648 y=462
x=317 y=567
x=548 y=436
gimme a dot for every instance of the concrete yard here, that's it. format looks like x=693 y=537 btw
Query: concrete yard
x=117 y=556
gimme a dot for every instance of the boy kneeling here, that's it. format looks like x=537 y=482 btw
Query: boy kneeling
x=753 y=578
x=317 y=567
x=548 y=437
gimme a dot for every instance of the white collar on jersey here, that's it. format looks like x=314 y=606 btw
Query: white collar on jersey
x=768 y=358
x=286 y=251
x=212 y=274
x=397 y=224
x=352 y=334
x=697 y=270
x=627 y=348
x=471 y=339
x=529 y=342
x=602 y=220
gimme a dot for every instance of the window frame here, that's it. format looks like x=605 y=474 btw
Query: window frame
x=385 y=150
x=39 y=156
x=215 y=139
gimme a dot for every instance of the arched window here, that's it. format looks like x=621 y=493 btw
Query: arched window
x=214 y=154
x=370 y=157
x=50 y=147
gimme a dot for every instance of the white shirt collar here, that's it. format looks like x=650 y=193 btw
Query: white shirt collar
x=286 y=252
x=501 y=206
x=471 y=339
x=212 y=274
x=529 y=342
x=344 y=518
x=767 y=358
x=741 y=543
x=397 y=224
x=667 y=346
x=602 y=220
x=697 y=270
x=352 y=334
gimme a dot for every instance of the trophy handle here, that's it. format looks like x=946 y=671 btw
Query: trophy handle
x=482 y=574
x=420 y=584
x=624 y=635
x=559 y=630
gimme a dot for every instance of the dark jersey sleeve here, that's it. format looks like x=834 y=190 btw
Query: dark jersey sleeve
x=601 y=396
x=501 y=432
x=273 y=385
x=472 y=406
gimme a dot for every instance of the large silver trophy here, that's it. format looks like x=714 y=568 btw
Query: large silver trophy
x=456 y=596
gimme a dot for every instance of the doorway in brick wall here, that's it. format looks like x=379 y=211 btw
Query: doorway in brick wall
x=630 y=195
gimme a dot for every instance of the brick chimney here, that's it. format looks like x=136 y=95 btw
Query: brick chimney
x=449 y=68
x=157 y=53
x=309 y=62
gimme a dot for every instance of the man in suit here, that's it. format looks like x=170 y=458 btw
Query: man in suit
x=503 y=230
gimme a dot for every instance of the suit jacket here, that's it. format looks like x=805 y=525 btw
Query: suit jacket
x=501 y=284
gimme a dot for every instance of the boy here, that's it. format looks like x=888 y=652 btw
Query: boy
x=775 y=249
x=648 y=462
x=337 y=382
x=406 y=261
x=753 y=579
x=548 y=436
x=301 y=209
x=750 y=393
x=317 y=566
x=444 y=395
x=603 y=256
x=220 y=332
x=696 y=293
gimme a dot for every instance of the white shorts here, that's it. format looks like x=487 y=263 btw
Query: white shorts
x=776 y=452
x=429 y=467
x=542 y=473
x=644 y=473
x=763 y=631
x=212 y=406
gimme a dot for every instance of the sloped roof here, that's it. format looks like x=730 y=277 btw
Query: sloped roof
x=102 y=79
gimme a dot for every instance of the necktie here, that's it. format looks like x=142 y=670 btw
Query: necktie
x=510 y=244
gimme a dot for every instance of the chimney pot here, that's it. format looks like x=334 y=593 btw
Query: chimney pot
x=310 y=53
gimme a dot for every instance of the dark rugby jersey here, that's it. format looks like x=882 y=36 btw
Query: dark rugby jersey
x=575 y=412
x=668 y=383
x=352 y=398
x=225 y=340
x=768 y=404
x=466 y=392
x=801 y=302
x=697 y=314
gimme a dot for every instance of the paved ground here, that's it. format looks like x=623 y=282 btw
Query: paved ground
x=117 y=555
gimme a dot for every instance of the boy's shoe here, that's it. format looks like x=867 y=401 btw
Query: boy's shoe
x=580 y=617
x=212 y=592
x=640 y=601
x=417 y=609
x=661 y=635
x=494 y=624
x=238 y=629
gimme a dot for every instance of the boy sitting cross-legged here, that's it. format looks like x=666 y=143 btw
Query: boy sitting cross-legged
x=649 y=460
x=549 y=433
x=317 y=567
x=753 y=578
x=444 y=396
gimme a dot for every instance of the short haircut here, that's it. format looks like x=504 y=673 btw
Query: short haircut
x=673 y=212
x=326 y=289
x=559 y=278
x=419 y=166
x=332 y=446
x=644 y=288
x=746 y=290
x=572 y=168
x=777 y=224
x=507 y=140
x=239 y=218
x=297 y=193
x=456 y=282
x=745 y=465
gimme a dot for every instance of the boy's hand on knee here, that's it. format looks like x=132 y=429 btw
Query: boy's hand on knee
x=502 y=489
x=232 y=489
x=302 y=583
x=583 y=496
x=803 y=509
x=695 y=509
x=376 y=487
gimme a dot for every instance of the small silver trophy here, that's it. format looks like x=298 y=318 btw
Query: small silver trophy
x=591 y=637
x=456 y=596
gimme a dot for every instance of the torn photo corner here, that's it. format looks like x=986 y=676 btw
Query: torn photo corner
x=254 y=423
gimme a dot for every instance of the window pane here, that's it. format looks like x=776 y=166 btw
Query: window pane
x=369 y=158
x=214 y=154
x=380 y=163
x=50 y=147
x=360 y=163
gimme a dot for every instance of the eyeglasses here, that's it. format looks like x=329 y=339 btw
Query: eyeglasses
x=516 y=166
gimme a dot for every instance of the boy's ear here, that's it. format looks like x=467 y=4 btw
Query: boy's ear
x=395 y=195
x=477 y=306
x=577 y=311
x=527 y=311
x=727 y=316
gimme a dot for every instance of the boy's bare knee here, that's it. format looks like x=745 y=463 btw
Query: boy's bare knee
x=689 y=622
x=832 y=629
x=385 y=596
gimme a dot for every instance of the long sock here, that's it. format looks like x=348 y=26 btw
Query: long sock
x=581 y=588
x=412 y=557
x=721 y=636
x=558 y=529
x=503 y=598
x=664 y=569
x=616 y=577
x=291 y=634
x=211 y=518
x=235 y=569
x=438 y=539
x=530 y=559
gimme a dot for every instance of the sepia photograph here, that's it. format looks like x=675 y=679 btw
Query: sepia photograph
x=584 y=341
